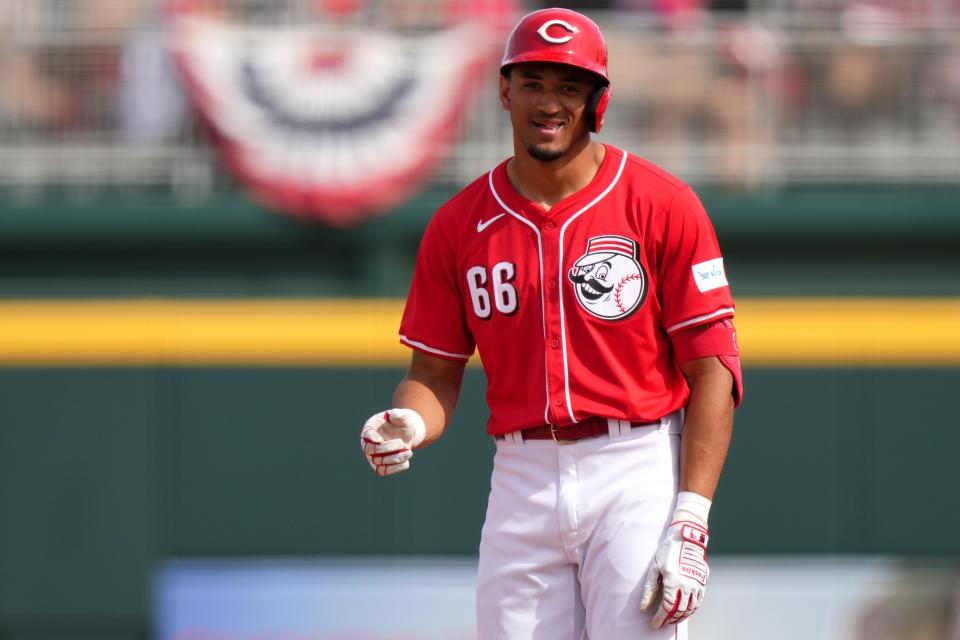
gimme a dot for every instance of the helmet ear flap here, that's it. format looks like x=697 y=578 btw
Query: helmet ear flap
x=597 y=108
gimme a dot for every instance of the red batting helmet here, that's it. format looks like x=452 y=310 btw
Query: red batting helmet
x=565 y=37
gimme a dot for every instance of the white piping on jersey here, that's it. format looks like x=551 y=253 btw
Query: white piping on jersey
x=420 y=345
x=543 y=303
x=691 y=321
x=563 y=331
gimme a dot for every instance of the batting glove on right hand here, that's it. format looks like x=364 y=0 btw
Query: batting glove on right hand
x=680 y=564
x=388 y=439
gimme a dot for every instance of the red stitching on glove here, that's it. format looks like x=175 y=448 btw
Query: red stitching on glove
x=381 y=456
x=676 y=605
x=689 y=612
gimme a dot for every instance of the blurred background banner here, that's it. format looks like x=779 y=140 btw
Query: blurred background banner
x=417 y=598
x=183 y=373
x=753 y=96
x=423 y=598
x=337 y=112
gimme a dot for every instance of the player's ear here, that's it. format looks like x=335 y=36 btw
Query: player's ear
x=505 y=91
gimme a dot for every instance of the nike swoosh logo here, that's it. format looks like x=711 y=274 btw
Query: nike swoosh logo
x=481 y=225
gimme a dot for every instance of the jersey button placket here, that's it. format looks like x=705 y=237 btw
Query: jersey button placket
x=554 y=343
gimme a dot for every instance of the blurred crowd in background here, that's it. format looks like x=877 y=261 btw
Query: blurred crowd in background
x=738 y=92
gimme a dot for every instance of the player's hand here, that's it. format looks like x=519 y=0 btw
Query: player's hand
x=388 y=439
x=679 y=569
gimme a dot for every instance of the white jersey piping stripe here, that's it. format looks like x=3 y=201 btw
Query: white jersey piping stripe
x=420 y=345
x=693 y=321
x=563 y=331
x=543 y=303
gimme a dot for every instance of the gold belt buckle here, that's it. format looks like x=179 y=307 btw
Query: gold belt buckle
x=553 y=434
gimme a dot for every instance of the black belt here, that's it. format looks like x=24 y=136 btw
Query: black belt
x=567 y=433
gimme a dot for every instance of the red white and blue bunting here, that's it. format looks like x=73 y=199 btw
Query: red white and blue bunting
x=334 y=120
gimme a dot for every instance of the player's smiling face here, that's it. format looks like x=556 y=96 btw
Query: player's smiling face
x=547 y=105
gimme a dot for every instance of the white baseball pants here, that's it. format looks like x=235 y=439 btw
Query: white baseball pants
x=571 y=531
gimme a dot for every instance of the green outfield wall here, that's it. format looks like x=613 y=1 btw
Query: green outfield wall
x=158 y=447
x=802 y=240
x=106 y=472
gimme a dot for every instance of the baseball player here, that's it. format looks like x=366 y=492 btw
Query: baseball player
x=591 y=284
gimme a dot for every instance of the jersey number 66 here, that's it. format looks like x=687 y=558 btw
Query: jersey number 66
x=504 y=293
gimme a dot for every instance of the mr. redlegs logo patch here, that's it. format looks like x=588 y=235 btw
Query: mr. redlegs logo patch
x=609 y=280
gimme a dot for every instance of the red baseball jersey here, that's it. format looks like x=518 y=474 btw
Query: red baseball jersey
x=571 y=309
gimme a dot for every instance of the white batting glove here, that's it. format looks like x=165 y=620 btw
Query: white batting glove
x=388 y=439
x=680 y=565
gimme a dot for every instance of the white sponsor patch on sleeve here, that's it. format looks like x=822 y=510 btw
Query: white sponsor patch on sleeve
x=710 y=275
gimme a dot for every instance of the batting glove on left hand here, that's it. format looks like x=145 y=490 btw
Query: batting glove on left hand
x=388 y=439
x=680 y=565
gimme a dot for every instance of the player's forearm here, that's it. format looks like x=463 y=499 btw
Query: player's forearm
x=432 y=390
x=708 y=427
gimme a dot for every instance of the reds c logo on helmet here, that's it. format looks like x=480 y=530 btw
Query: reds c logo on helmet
x=544 y=31
x=565 y=37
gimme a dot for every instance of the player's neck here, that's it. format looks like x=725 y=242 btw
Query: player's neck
x=547 y=183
